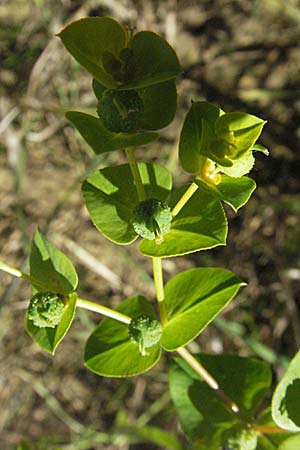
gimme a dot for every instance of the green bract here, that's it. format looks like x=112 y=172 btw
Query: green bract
x=46 y=309
x=120 y=111
x=145 y=331
x=152 y=219
x=227 y=139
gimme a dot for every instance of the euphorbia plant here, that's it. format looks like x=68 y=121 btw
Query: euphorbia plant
x=217 y=397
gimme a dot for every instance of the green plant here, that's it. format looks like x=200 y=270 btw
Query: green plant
x=217 y=397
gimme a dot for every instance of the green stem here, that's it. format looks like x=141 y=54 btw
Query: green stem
x=11 y=270
x=207 y=377
x=136 y=174
x=185 y=198
x=91 y=306
x=159 y=288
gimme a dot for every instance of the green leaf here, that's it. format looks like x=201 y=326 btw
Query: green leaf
x=200 y=225
x=98 y=88
x=49 y=338
x=109 y=350
x=157 y=61
x=50 y=269
x=204 y=417
x=100 y=139
x=286 y=398
x=160 y=102
x=110 y=196
x=241 y=129
x=191 y=139
x=87 y=39
x=292 y=443
x=192 y=300
x=233 y=191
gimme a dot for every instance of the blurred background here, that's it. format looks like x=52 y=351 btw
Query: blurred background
x=240 y=54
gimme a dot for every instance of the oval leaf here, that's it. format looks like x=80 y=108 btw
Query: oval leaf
x=160 y=102
x=233 y=191
x=110 y=196
x=49 y=338
x=109 y=350
x=192 y=300
x=86 y=39
x=286 y=398
x=191 y=139
x=50 y=269
x=100 y=139
x=204 y=417
x=200 y=225
x=157 y=61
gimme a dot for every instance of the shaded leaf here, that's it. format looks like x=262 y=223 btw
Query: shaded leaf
x=286 y=398
x=204 y=417
x=157 y=61
x=160 y=102
x=100 y=139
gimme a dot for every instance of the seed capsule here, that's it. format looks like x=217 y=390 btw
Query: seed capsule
x=46 y=309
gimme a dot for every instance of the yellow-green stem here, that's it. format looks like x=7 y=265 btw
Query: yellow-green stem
x=91 y=306
x=159 y=288
x=136 y=174
x=11 y=270
x=207 y=377
x=269 y=429
x=184 y=199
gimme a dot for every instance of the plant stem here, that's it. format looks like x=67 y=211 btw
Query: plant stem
x=11 y=270
x=136 y=174
x=91 y=306
x=157 y=266
x=207 y=377
x=159 y=288
x=268 y=430
x=185 y=198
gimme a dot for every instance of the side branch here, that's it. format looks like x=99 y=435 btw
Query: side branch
x=207 y=377
x=91 y=306
x=185 y=198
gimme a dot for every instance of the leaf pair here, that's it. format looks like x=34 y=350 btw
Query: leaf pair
x=143 y=62
x=192 y=300
x=110 y=196
x=92 y=41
